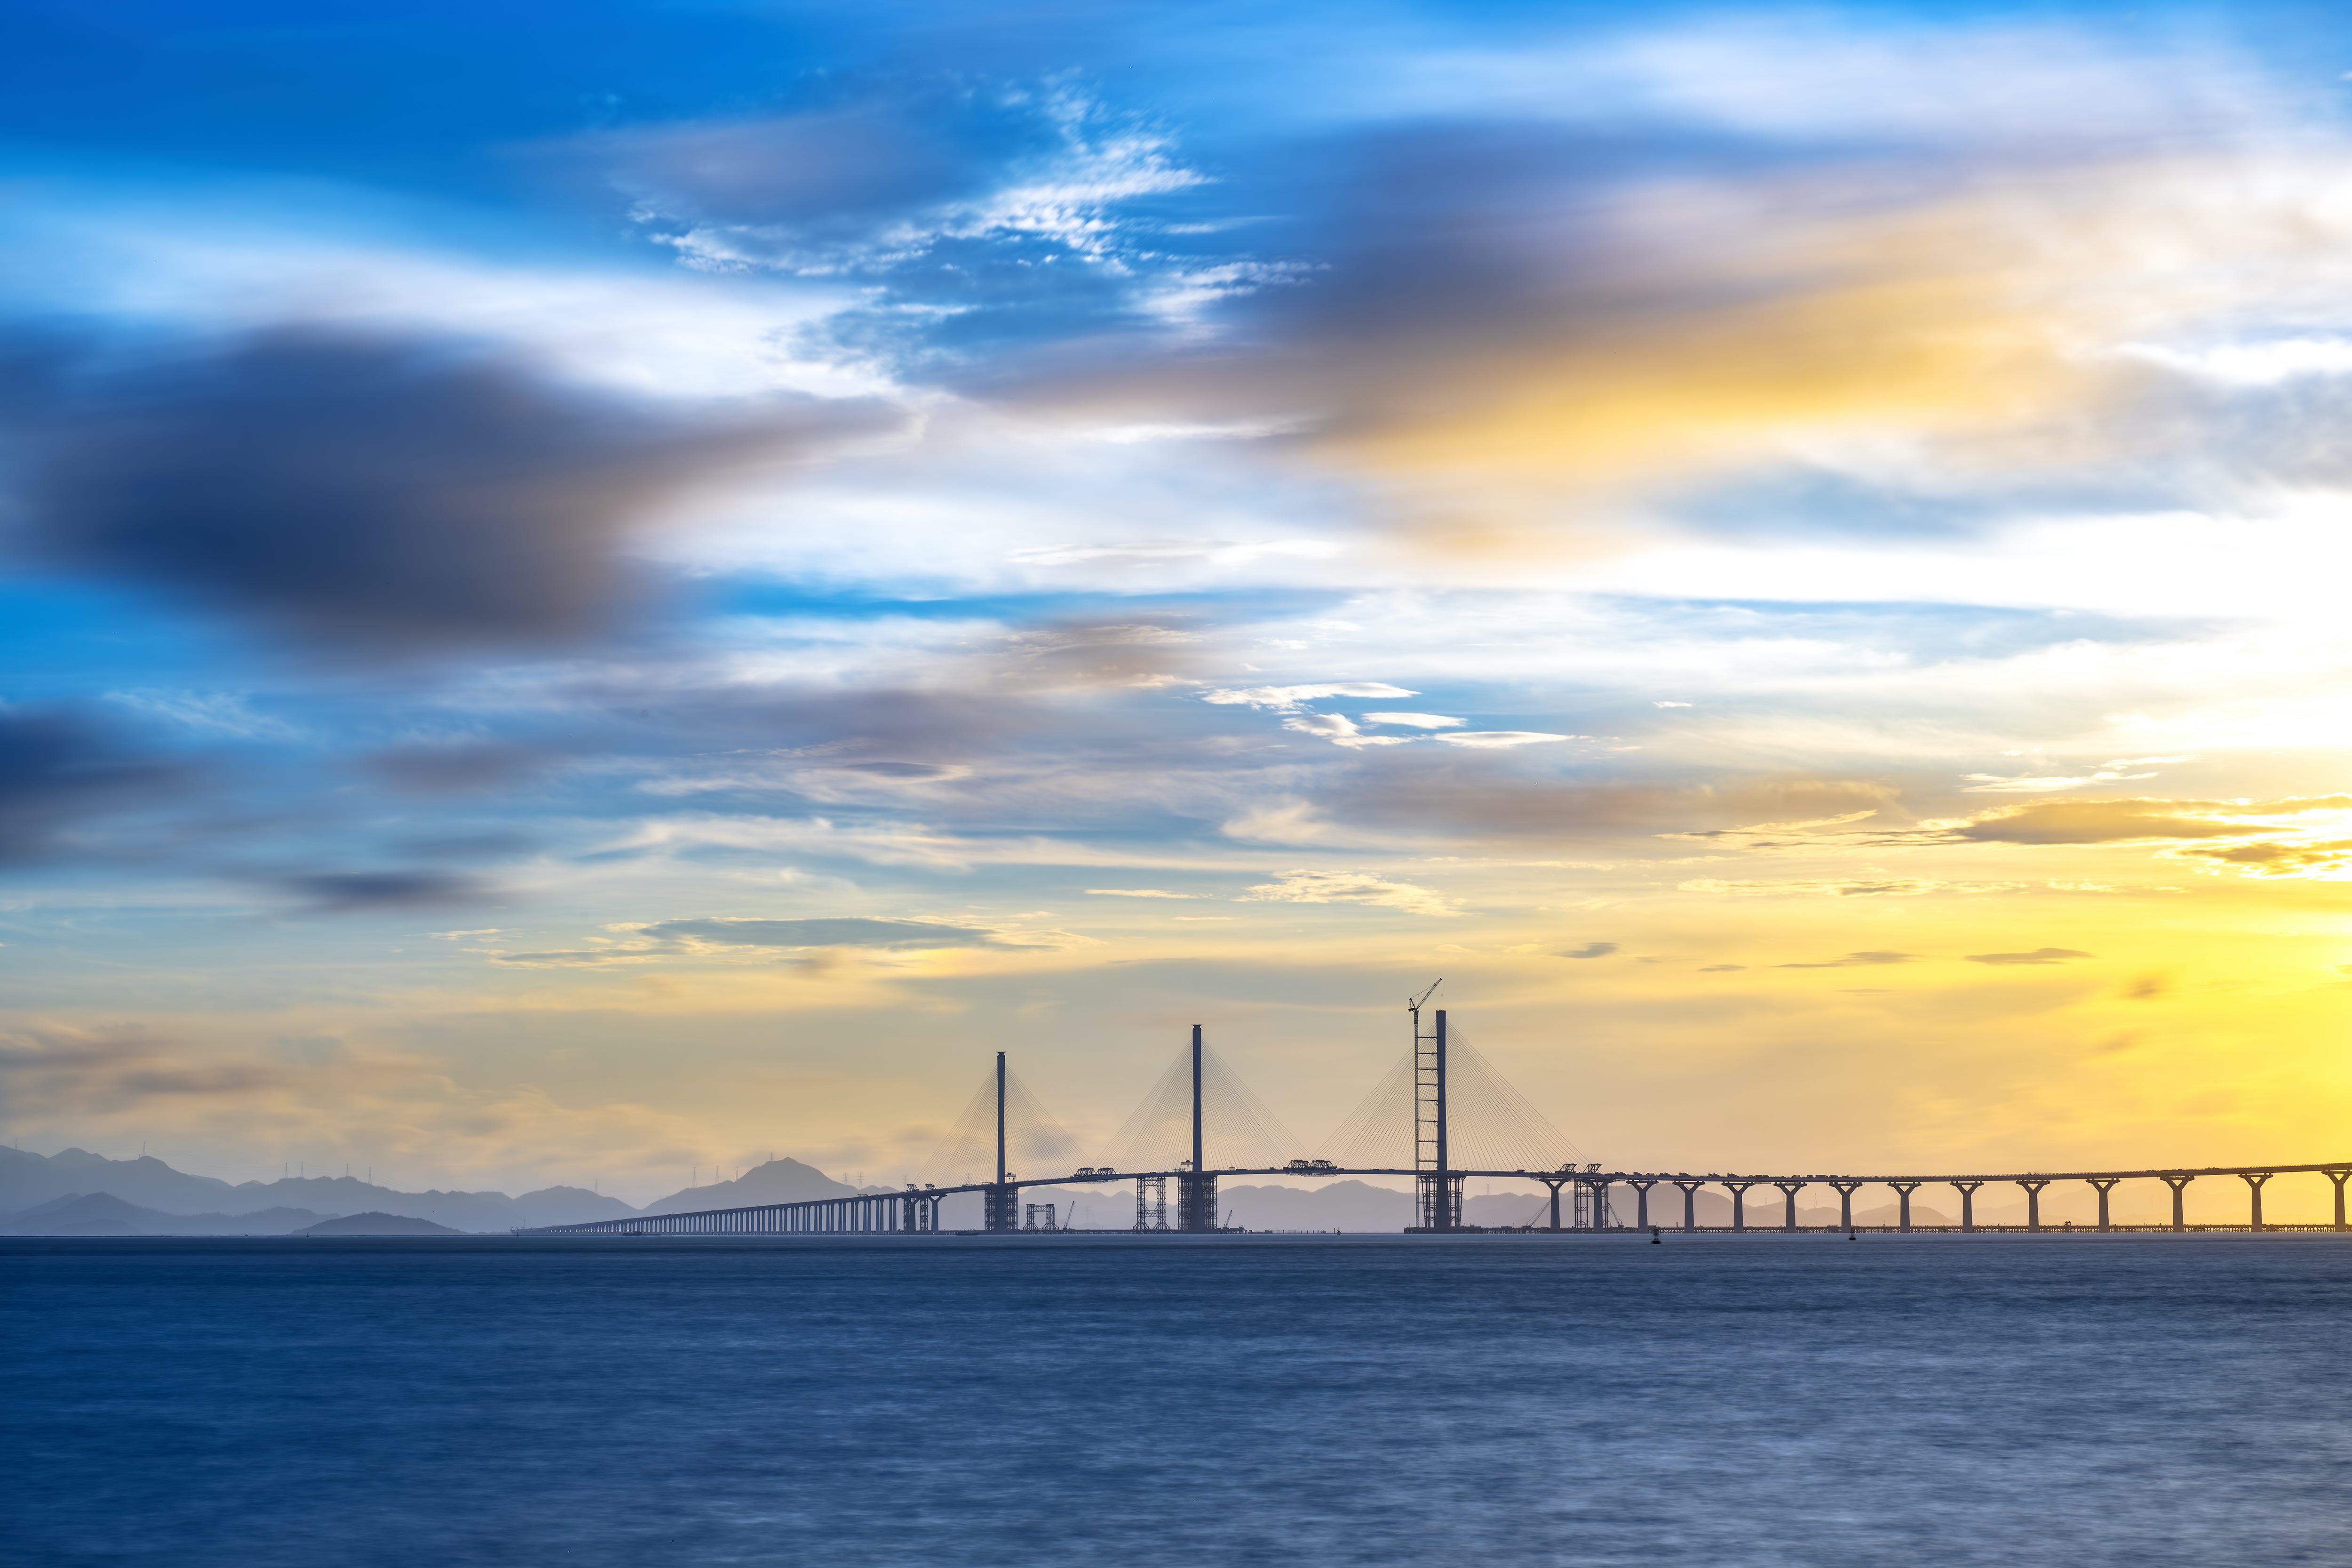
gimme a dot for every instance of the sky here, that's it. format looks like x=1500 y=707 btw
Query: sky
x=591 y=591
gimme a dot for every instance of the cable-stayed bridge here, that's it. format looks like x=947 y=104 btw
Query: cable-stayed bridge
x=1441 y=1116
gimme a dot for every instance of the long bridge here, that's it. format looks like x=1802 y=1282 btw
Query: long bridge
x=1438 y=1185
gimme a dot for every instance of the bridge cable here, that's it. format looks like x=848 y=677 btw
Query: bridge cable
x=1033 y=1139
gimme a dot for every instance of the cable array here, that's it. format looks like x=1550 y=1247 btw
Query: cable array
x=1241 y=1129
x=1032 y=1138
x=1495 y=1127
x=1491 y=1126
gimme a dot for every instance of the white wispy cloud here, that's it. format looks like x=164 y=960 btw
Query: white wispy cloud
x=1505 y=738
x=1286 y=698
x=213 y=712
x=1341 y=731
x=1350 y=887
x=1414 y=720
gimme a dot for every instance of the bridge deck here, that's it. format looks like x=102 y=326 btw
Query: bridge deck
x=916 y=1210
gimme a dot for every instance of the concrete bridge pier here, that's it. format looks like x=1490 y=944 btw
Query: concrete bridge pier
x=1555 y=1183
x=2105 y=1185
x=1846 y=1191
x=1967 y=1190
x=1902 y=1191
x=1641 y=1185
x=1690 y=1202
x=2255 y=1180
x=1790 y=1190
x=2338 y=1177
x=2180 y=1208
x=1739 y=1200
x=2033 y=1185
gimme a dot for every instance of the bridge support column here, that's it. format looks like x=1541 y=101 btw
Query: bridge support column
x=2180 y=1208
x=1196 y=1200
x=1740 y=1201
x=1642 y=1186
x=1196 y=1189
x=1554 y=1183
x=2033 y=1185
x=1790 y=1190
x=1967 y=1190
x=1599 y=1190
x=2105 y=1185
x=2255 y=1180
x=1902 y=1191
x=999 y=1207
x=999 y=1204
x=1846 y=1191
x=1690 y=1202
x=2338 y=1177
x=1437 y=1192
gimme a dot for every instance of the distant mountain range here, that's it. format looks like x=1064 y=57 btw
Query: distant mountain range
x=76 y=1192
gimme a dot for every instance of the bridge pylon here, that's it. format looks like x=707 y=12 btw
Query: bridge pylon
x=1000 y=1201
x=1196 y=1187
x=1437 y=1190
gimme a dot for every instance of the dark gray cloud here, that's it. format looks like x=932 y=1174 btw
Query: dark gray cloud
x=452 y=767
x=1591 y=949
x=58 y=767
x=2038 y=956
x=829 y=175
x=1504 y=798
x=848 y=930
x=369 y=493
x=346 y=892
x=64 y=1069
x=1854 y=960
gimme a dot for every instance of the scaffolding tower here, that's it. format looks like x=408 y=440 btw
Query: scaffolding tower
x=1437 y=1190
x=1151 y=1203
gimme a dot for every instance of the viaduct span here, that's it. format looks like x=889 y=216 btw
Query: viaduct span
x=1591 y=1202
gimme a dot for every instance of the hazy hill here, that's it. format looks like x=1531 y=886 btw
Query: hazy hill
x=777 y=1181
x=102 y=1213
x=568 y=1206
x=28 y=1180
x=377 y=1225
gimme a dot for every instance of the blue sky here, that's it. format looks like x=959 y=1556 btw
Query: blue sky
x=538 y=539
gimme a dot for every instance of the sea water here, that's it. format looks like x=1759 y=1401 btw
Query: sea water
x=1128 y=1403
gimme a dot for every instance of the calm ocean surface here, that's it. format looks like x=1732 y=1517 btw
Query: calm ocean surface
x=1901 y=1403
